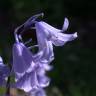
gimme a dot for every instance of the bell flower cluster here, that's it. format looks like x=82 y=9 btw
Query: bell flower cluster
x=30 y=69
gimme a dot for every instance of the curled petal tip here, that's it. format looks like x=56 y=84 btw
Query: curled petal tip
x=1 y=59
x=66 y=20
x=39 y=15
x=42 y=14
x=75 y=35
x=66 y=24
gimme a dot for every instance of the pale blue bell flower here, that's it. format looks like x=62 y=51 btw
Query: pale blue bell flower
x=56 y=36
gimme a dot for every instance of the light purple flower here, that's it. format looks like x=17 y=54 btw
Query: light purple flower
x=24 y=60
x=32 y=81
x=29 y=69
x=53 y=34
x=4 y=72
x=48 y=35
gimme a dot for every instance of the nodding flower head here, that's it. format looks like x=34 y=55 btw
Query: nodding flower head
x=39 y=92
x=30 y=69
x=48 y=35
x=53 y=34
x=22 y=56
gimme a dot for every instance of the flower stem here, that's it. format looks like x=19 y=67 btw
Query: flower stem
x=8 y=87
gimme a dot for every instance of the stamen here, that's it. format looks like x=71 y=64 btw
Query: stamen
x=32 y=28
x=26 y=25
x=34 y=46
x=15 y=34
x=20 y=37
x=30 y=40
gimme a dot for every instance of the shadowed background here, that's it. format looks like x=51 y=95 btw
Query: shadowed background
x=74 y=72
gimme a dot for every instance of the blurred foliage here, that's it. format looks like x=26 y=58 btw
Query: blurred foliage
x=2 y=91
x=74 y=72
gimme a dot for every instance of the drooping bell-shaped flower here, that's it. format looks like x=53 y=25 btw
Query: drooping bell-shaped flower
x=4 y=72
x=24 y=60
x=33 y=81
x=56 y=36
x=30 y=69
x=44 y=44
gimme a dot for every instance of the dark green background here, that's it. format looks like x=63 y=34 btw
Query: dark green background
x=74 y=72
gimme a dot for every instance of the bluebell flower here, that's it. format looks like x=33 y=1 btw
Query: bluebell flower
x=29 y=69
x=48 y=35
x=56 y=36
x=22 y=58
x=44 y=44
x=4 y=72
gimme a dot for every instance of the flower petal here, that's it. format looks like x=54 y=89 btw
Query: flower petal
x=65 y=25
x=39 y=92
x=24 y=83
x=62 y=38
x=49 y=27
x=48 y=51
x=54 y=35
x=22 y=58
x=40 y=37
x=43 y=81
x=46 y=30
x=34 y=80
